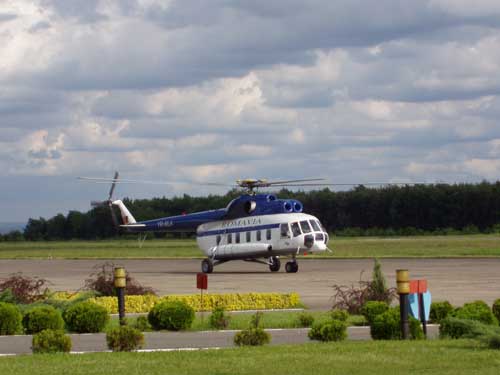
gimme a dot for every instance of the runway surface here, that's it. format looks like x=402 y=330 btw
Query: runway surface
x=455 y=280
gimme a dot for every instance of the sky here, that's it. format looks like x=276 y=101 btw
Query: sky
x=211 y=91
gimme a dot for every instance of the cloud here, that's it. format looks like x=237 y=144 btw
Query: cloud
x=219 y=90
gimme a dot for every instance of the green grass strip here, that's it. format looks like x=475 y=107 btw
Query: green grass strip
x=374 y=358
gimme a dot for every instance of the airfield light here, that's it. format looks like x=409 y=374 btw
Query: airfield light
x=120 y=281
x=403 y=283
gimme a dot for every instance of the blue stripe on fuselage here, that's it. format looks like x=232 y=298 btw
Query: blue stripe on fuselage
x=236 y=230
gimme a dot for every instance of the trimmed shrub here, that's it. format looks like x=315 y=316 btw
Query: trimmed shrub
x=456 y=328
x=304 y=319
x=334 y=330
x=439 y=311
x=50 y=341
x=173 y=316
x=371 y=309
x=230 y=301
x=142 y=324
x=86 y=317
x=7 y=296
x=41 y=318
x=252 y=337
x=10 y=319
x=337 y=314
x=124 y=339
x=477 y=310
x=496 y=309
x=219 y=319
x=387 y=326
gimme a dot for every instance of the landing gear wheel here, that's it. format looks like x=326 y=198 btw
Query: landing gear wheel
x=207 y=266
x=276 y=264
x=291 y=267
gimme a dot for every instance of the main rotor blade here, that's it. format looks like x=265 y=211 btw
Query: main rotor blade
x=99 y=180
x=271 y=183
x=359 y=184
x=113 y=186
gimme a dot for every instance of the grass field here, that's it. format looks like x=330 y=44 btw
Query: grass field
x=270 y=319
x=374 y=358
x=423 y=246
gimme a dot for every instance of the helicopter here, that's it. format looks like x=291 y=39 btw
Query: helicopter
x=253 y=227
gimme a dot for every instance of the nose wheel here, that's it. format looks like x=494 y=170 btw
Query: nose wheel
x=291 y=267
x=207 y=266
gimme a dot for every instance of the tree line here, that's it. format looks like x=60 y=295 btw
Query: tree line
x=388 y=210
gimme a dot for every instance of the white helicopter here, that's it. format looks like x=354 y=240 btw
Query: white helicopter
x=253 y=227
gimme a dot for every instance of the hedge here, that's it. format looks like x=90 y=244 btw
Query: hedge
x=230 y=302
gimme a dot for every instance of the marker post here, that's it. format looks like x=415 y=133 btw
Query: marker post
x=120 y=281
x=403 y=283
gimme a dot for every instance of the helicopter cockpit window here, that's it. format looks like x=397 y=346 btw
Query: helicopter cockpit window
x=315 y=226
x=217 y=239
x=284 y=230
x=296 y=229
x=321 y=225
x=306 y=228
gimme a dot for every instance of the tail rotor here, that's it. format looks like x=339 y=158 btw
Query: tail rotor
x=109 y=202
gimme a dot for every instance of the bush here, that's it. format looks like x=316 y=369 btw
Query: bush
x=230 y=301
x=219 y=319
x=304 y=319
x=477 y=310
x=50 y=341
x=371 y=309
x=334 y=330
x=337 y=314
x=7 y=296
x=102 y=282
x=142 y=324
x=439 y=311
x=496 y=309
x=173 y=315
x=353 y=298
x=86 y=317
x=254 y=335
x=493 y=341
x=124 y=339
x=387 y=326
x=10 y=319
x=41 y=318
x=456 y=328
x=24 y=289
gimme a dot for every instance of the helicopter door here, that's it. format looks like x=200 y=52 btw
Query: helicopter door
x=285 y=236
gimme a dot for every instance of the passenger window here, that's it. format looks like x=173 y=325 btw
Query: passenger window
x=306 y=228
x=237 y=239
x=217 y=239
x=249 y=236
x=296 y=229
x=285 y=231
x=315 y=226
x=258 y=235
x=229 y=238
x=268 y=234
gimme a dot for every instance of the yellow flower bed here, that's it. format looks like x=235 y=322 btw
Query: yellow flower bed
x=231 y=302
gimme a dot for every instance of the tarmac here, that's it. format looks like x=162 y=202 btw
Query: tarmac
x=456 y=280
